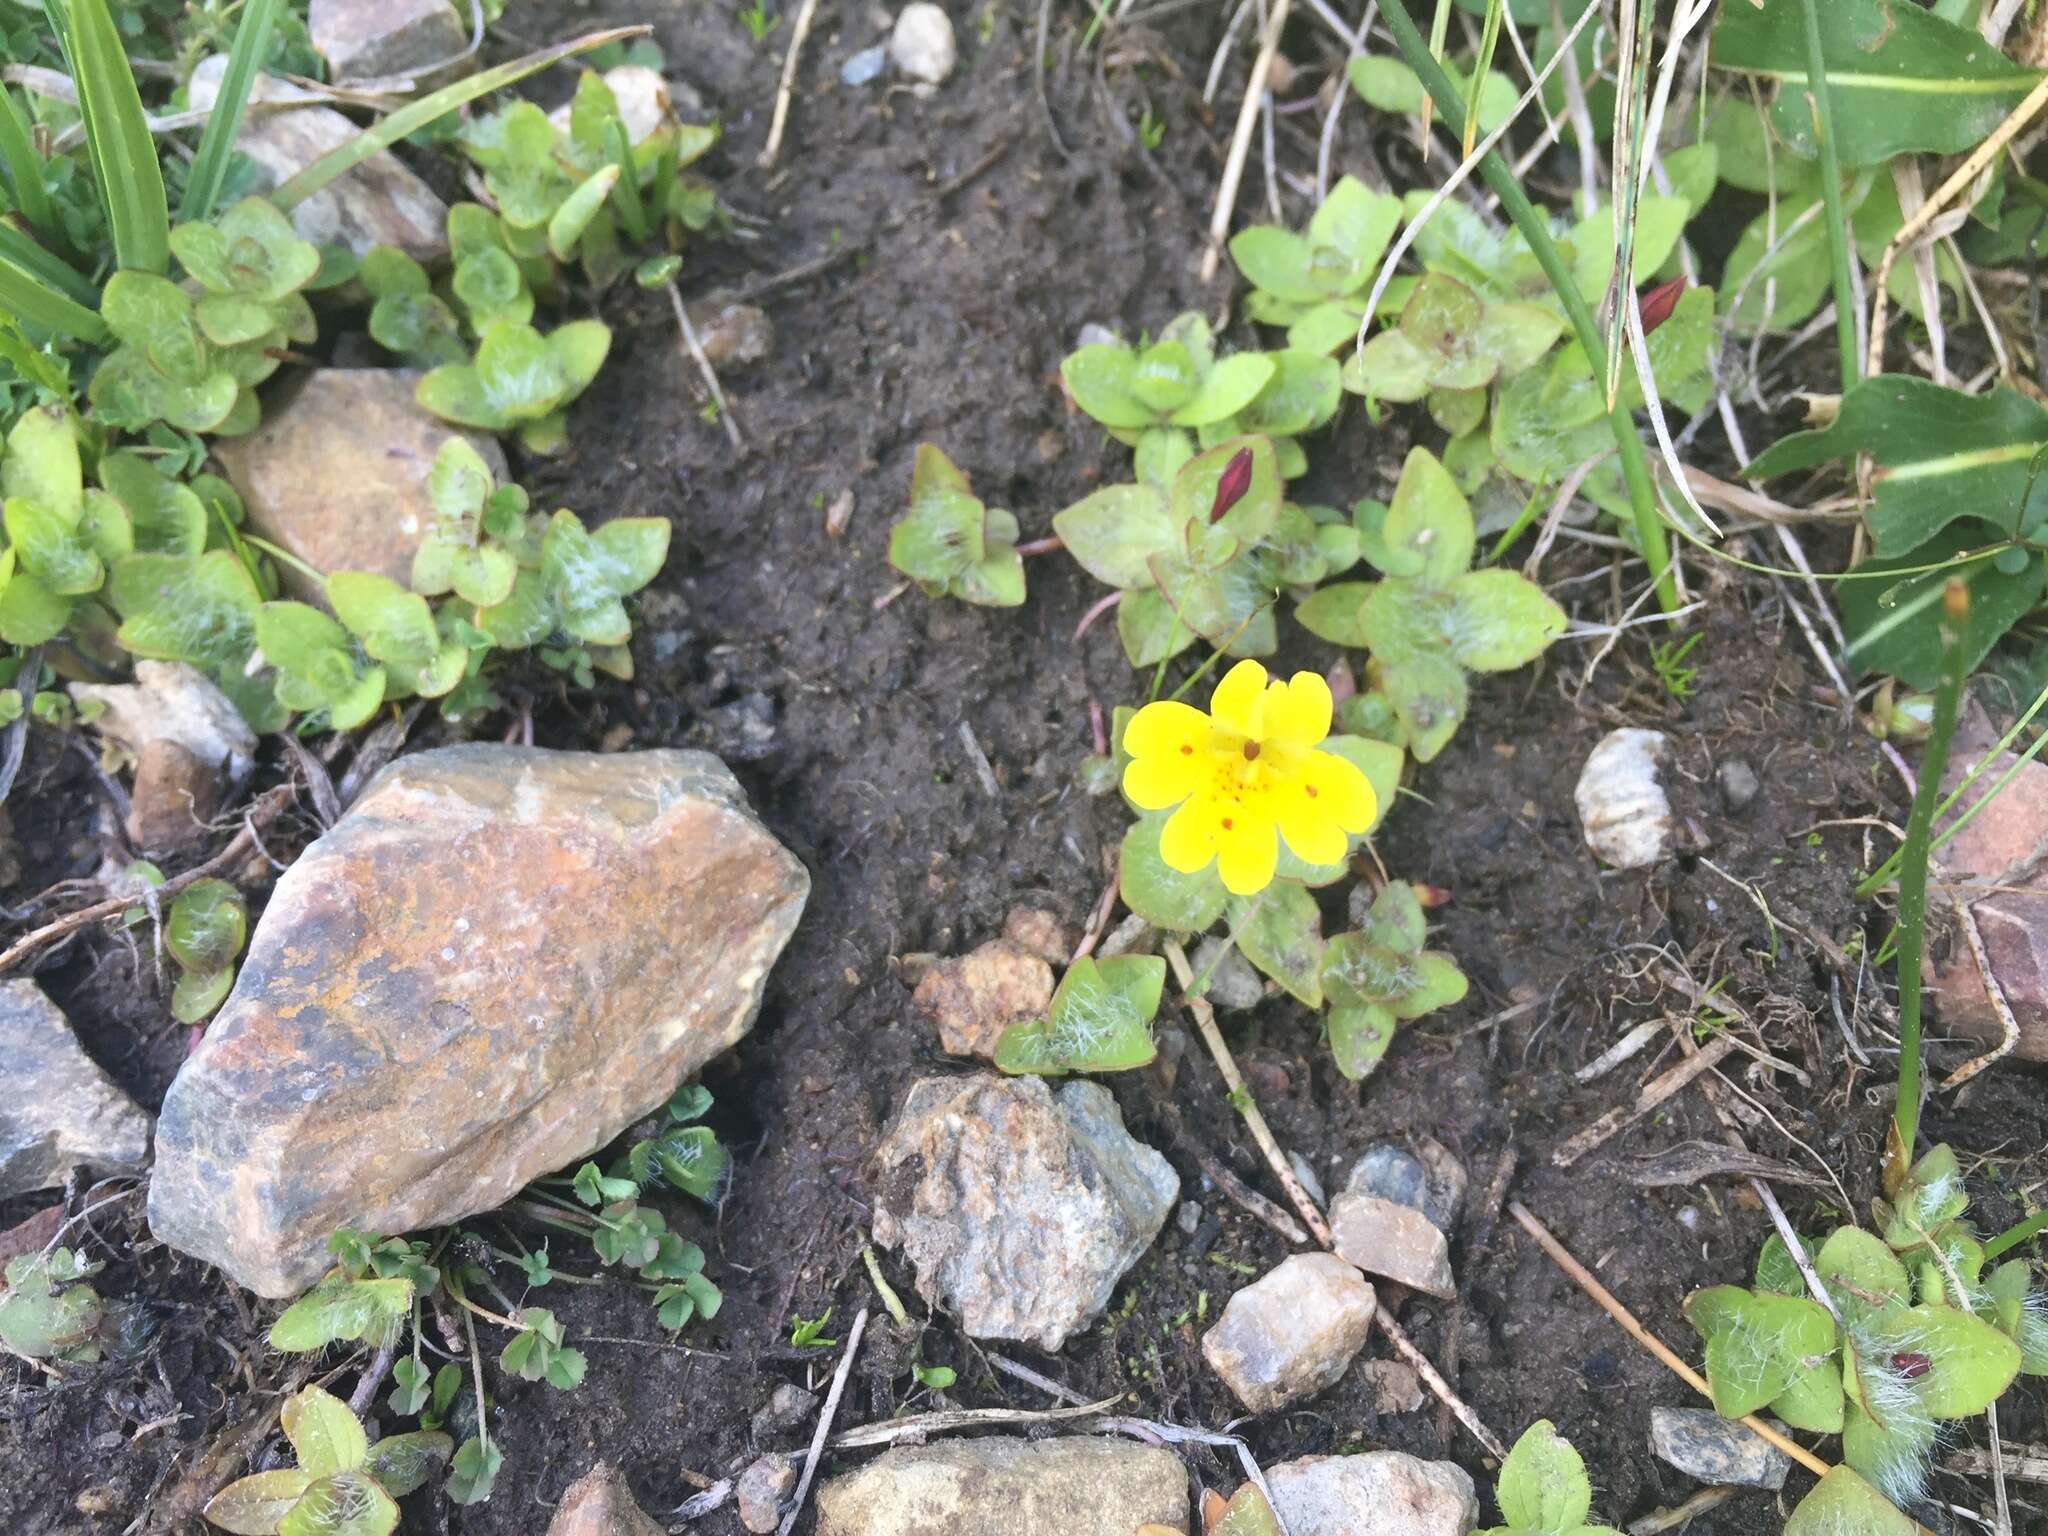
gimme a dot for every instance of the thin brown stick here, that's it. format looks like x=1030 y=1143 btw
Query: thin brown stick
x=696 y=351
x=1679 y=1516
x=1653 y=1094
x=824 y=1429
x=1241 y=140
x=264 y=809
x=1241 y=1097
x=782 y=95
x=918 y=1425
x=2008 y=1024
x=1433 y=1379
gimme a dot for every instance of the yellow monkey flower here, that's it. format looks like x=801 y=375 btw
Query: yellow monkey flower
x=1245 y=774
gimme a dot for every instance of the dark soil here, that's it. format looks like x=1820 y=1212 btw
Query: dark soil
x=971 y=252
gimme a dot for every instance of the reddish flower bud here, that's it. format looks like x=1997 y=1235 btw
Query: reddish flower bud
x=1233 y=483
x=1658 y=302
x=1911 y=1364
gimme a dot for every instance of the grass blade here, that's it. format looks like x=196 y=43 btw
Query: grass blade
x=117 y=134
x=626 y=194
x=1535 y=228
x=24 y=166
x=1489 y=40
x=424 y=111
x=1831 y=192
x=39 y=263
x=217 y=143
x=30 y=300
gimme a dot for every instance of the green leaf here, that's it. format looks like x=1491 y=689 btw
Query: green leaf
x=1542 y=1484
x=588 y=573
x=345 y=1504
x=1758 y=1343
x=1842 y=1502
x=1336 y=613
x=207 y=925
x=1777 y=1270
x=1149 y=629
x=167 y=516
x=1428 y=533
x=325 y=1435
x=1900 y=79
x=252 y=252
x=1301 y=396
x=1970 y=1365
x=1498 y=620
x=1359 y=1037
x=49 y=549
x=181 y=608
x=217 y=140
x=1226 y=389
x=1164 y=897
x=402 y=1463
x=41 y=463
x=124 y=161
x=1281 y=932
x=691 y=1158
x=473 y=1470
x=570 y=220
x=1863 y=1277
x=256 y=1506
x=1098 y=1021
x=1426 y=687
x=1193 y=498
x=1814 y=1401
x=340 y=1309
x=1101 y=380
x=393 y=624
x=1894 y=624
x=1276 y=261
x=1115 y=532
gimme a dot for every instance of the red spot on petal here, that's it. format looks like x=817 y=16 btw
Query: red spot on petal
x=1187 y=751
x=1226 y=823
x=1658 y=302
x=1233 y=483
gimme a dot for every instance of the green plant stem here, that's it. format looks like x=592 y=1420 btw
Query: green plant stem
x=1831 y=194
x=1912 y=923
x=1635 y=470
x=217 y=140
x=883 y=1288
x=2014 y=1235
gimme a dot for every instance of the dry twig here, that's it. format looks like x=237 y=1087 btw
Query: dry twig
x=783 y=91
x=803 y=1484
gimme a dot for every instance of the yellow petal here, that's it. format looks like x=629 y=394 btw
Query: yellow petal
x=1188 y=841
x=1154 y=783
x=1165 y=728
x=1342 y=790
x=1239 y=700
x=1310 y=830
x=1246 y=853
x=1298 y=710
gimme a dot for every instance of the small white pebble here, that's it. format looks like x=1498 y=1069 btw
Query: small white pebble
x=922 y=45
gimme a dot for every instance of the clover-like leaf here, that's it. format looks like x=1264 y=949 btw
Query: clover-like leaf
x=950 y=544
x=1758 y=1343
x=325 y=1435
x=402 y=1463
x=41 y=462
x=1115 y=532
x=49 y=548
x=1099 y=1020
x=343 y=1504
x=201 y=609
x=1844 y=1501
x=46 y=1313
x=588 y=573
x=257 y=1505
x=1542 y=1484
x=166 y=516
x=537 y=1353
x=1280 y=931
x=475 y=1468
x=690 y=1157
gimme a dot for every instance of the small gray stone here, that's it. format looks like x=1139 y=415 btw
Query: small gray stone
x=864 y=66
x=1711 y=1449
x=1132 y=936
x=1385 y=1493
x=1020 y=1211
x=761 y=1490
x=1096 y=334
x=647 y=99
x=1739 y=783
x=1308 y=1178
x=1233 y=984
x=922 y=45
x=1073 y=1486
x=1396 y=1241
x=58 y=1110
x=368 y=39
x=1188 y=1218
x=1293 y=1333
x=1429 y=1179
x=787 y=1407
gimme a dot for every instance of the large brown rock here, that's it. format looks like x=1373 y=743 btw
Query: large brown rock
x=499 y=959
x=337 y=473
x=600 y=1504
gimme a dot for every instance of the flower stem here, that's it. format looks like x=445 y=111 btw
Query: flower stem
x=1635 y=471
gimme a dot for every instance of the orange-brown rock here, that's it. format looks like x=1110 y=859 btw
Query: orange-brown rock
x=337 y=473
x=499 y=959
x=977 y=996
x=600 y=1504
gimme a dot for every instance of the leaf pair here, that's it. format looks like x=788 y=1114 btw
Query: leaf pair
x=950 y=544
x=1382 y=976
x=520 y=380
x=1176 y=381
x=342 y=1486
x=205 y=930
x=1431 y=619
x=1542 y=1488
x=1315 y=282
x=1099 y=1020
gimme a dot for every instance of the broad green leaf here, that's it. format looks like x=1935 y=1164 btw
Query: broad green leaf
x=1193 y=498
x=207 y=925
x=181 y=608
x=30 y=613
x=1892 y=1452
x=1970 y=1364
x=1777 y=1270
x=393 y=624
x=1099 y=1020
x=1164 y=897
x=573 y=217
x=1428 y=532
x=340 y=1309
x=691 y=1158
x=1226 y=389
x=1336 y=613
x=1842 y=1502
x=1149 y=629
x=256 y=1506
x=41 y=462
x=1498 y=620
x=1277 y=261
x=1359 y=1037
x=1542 y=1484
x=1280 y=931
x=402 y=1463
x=1114 y=532
x=1778 y=272
x=1301 y=396
x=588 y=573
x=1101 y=380
x=1247 y=1514
x=1757 y=1343
x=1900 y=79
x=1814 y=1400
x=473 y=1471
x=167 y=516
x=1862 y=1275
x=1894 y=623
x=48 y=547
x=196 y=994
x=324 y=1433
x=345 y=1504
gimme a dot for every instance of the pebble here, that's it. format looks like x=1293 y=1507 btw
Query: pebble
x=58 y=1110
x=1292 y=1333
x=1739 y=783
x=600 y=1504
x=1717 y=1451
x=733 y=335
x=309 y=486
x=499 y=959
x=1069 y=1485
x=647 y=100
x=788 y=1406
x=377 y=202
x=977 y=996
x=761 y=1490
x=1188 y=1218
x=1430 y=1179
x=1384 y=1493
x=1621 y=800
x=1040 y=932
x=171 y=701
x=1019 y=1208
x=1395 y=1241
x=1233 y=985
x=174 y=796
x=922 y=44
x=865 y=66
x=1395 y=1386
